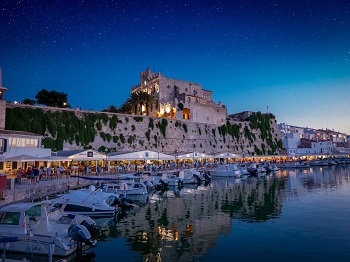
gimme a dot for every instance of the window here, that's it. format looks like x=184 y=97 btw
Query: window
x=34 y=211
x=9 y=218
x=23 y=142
x=2 y=143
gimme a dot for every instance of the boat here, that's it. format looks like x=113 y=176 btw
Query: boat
x=190 y=176
x=91 y=202
x=28 y=228
x=295 y=164
x=243 y=167
x=270 y=167
x=163 y=178
x=256 y=169
x=226 y=170
x=56 y=213
x=205 y=173
x=126 y=188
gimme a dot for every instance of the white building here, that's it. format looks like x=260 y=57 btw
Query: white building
x=22 y=145
x=306 y=141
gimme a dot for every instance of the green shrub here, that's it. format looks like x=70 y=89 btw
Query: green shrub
x=162 y=126
x=151 y=124
x=115 y=139
x=138 y=118
x=122 y=138
x=148 y=135
x=184 y=127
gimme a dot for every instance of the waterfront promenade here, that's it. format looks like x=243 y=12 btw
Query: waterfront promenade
x=27 y=192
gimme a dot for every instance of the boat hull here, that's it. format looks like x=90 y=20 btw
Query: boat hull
x=41 y=245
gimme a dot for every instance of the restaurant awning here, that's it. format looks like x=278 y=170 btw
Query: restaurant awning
x=21 y=158
x=82 y=155
x=227 y=155
x=140 y=155
x=193 y=155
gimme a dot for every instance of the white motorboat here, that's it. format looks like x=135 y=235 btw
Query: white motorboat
x=91 y=202
x=28 y=228
x=294 y=164
x=56 y=213
x=168 y=178
x=126 y=188
x=243 y=167
x=270 y=167
x=227 y=170
x=256 y=169
x=190 y=176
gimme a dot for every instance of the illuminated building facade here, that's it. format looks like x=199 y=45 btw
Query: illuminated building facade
x=179 y=99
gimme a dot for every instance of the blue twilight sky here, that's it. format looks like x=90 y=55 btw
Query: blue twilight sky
x=290 y=57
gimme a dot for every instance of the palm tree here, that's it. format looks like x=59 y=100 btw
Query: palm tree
x=139 y=99
x=126 y=107
x=111 y=108
x=135 y=102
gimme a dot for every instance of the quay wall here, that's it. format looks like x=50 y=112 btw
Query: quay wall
x=121 y=132
x=26 y=192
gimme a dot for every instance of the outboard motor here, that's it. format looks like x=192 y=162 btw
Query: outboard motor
x=198 y=179
x=124 y=202
x=149 y=185
x=112 y=201
x=90 y=225
x=163 y=184
x=207 y=176
x=81 y=235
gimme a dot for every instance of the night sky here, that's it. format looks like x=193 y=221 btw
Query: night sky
x=290 y=58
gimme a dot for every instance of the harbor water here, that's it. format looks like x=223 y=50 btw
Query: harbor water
x=290 y=215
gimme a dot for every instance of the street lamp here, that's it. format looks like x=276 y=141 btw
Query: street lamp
x=106 y=151
x=176 y=156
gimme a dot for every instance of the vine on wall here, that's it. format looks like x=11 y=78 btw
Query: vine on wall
x=56 y=126
x=59 y=127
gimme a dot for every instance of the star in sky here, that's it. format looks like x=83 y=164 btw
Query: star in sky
x=290 y=55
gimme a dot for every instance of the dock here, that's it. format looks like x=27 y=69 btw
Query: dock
x=26 y=192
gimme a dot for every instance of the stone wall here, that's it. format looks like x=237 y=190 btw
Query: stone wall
x=134 y=133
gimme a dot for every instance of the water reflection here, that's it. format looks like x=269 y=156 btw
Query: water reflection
x=182 y=224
